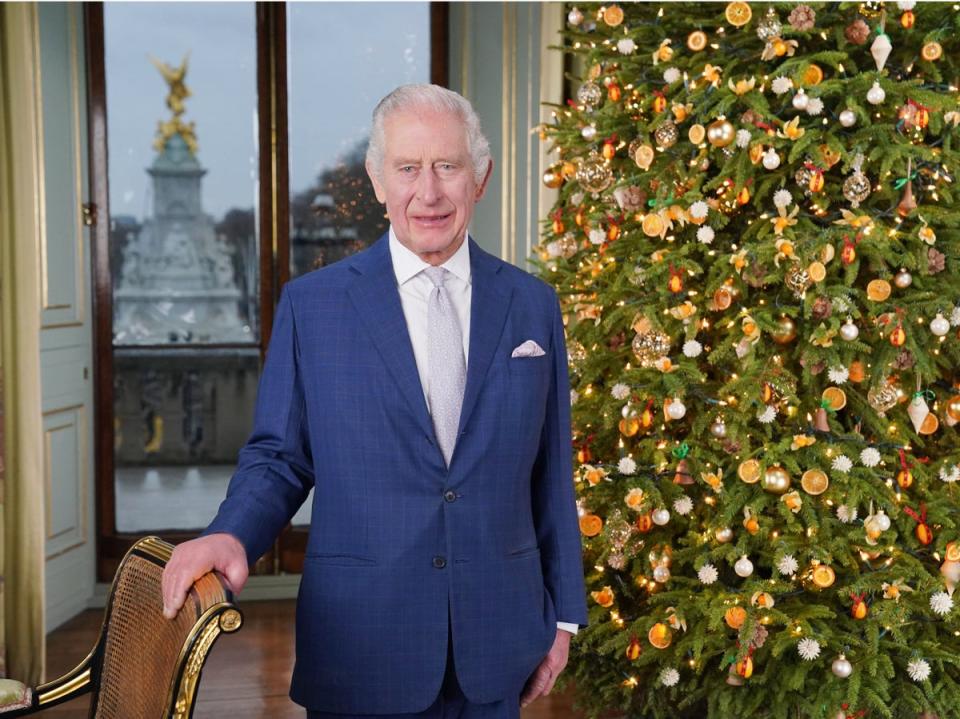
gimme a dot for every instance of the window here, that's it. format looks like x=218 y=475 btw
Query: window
x=215 y=200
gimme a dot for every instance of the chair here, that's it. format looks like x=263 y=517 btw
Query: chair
x=143 y=666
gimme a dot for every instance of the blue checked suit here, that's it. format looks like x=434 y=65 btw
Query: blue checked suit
x=398 y=542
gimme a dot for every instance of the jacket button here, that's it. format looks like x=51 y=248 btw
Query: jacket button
x=439 y=562
x=450 y=495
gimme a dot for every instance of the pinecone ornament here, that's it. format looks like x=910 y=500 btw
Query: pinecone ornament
x=802 y=18
x=857 y=32
x=936 y=261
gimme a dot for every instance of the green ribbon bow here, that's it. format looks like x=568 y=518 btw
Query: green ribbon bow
x=682 y=451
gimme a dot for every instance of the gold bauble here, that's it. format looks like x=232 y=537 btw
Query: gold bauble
x=749 y=471
x=667 y=134
x=720 y=133
x=776 y=480
x=814 y=482
x=786 y=331
x=552 y=178
x=953 y=407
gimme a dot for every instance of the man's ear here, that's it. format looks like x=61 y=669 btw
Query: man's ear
x=377 y=185
x=482 y=187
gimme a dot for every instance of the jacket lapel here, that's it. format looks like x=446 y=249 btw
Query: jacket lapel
x=377 y=300
x=489 y=303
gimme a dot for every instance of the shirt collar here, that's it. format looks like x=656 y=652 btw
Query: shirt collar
x=406 y=264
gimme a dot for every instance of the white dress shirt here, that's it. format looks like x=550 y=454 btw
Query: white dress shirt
x=415 y=288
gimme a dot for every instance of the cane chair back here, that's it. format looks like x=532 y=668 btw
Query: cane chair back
x=145 y=666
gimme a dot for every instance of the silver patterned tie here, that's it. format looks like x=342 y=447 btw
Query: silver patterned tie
x=447 y=371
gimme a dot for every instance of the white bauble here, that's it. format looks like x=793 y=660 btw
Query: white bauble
x=842 y=667
x=876 y=95
x=661 y=517
x=848 y=118
x=661 y=574
x=589 y=132
x=771 y=160
x=883 y=521
x=575 y=17
x=723 y=535
x=800 y=100
x=939 y=325
x=676 y=410
x=849 y=331
x=743 y=567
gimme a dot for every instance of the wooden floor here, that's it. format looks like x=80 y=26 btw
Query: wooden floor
x=247 y=674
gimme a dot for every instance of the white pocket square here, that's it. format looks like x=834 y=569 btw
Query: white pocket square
x=528 y=349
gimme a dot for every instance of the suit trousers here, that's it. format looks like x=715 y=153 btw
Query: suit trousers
x=449 y=704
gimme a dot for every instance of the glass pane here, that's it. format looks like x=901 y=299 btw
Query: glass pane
x=181 y=94
x=342 y=58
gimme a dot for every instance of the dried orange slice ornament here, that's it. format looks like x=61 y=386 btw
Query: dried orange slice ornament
x=738 y=14
x=835 y=397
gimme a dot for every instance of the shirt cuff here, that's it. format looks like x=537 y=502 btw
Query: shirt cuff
x=568 y=627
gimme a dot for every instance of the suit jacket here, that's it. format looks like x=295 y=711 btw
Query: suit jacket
x=398 y=541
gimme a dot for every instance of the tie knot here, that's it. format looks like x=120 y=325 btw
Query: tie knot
x=437 y=276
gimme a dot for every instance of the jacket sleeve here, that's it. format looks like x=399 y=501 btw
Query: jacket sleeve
x=274 y=471
x=554 y=501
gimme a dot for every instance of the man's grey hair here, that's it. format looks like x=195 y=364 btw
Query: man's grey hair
x=433 y=97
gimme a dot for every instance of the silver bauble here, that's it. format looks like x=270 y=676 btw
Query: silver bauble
x=660 y=517
x=718 y=429
x=848 y=118
x=590 y=95
x=666 y=135
x=650 y=347
x=849 y=331
x=661 y=574
x=575 y=17
x=723 y=535
x=856 y=188
x=771 y=160
x=903 y=279
x=769 y=27
x=800 y=100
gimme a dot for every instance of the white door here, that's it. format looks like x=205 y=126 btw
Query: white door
x=66 y=347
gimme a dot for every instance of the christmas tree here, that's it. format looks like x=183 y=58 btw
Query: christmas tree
x=755 y=244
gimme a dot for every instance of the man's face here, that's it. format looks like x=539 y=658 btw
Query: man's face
x=427 y=181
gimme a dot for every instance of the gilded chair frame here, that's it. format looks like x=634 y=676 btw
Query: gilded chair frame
x=218 y=615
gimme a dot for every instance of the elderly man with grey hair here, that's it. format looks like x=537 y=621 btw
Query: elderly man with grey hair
x=420 y=388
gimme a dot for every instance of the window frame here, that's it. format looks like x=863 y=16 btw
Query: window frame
x=271 y=41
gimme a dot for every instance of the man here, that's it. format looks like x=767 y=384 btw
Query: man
x=420 y=387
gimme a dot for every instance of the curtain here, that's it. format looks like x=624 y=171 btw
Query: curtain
x=22 y=522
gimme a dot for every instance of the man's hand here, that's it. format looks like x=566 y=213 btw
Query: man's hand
x=543 y=679
x=191 y=560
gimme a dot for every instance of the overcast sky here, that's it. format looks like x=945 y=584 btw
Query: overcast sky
x=342 y=58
